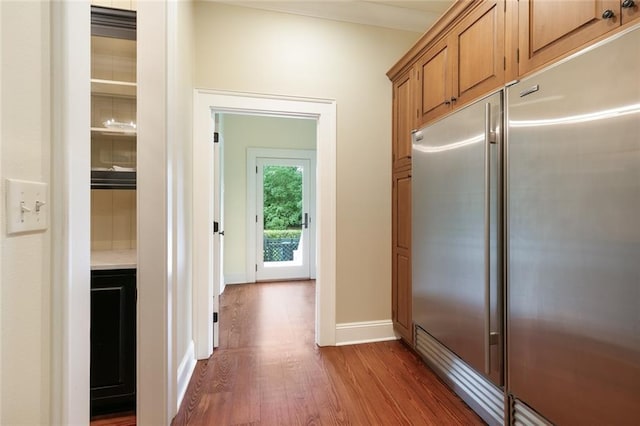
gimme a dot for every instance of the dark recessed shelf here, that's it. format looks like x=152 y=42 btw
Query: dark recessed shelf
x=109 y=22
x=108 y=179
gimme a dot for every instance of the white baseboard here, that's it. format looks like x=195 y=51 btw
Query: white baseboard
x=185 y=370
x=353 y=333
x=235 y=278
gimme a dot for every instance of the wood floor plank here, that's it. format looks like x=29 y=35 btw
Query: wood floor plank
x=120 y=419
x=268 y=371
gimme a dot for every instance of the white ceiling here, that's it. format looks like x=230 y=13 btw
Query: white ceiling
x=411 y=15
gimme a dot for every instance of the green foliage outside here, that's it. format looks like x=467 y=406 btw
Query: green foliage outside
x=282 y=234
x=282 y=197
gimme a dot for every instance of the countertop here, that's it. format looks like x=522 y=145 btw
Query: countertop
x=113 y=259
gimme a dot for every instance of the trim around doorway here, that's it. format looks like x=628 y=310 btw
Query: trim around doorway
x=324 y=112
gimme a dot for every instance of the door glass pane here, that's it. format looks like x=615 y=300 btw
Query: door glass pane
x=282 y=213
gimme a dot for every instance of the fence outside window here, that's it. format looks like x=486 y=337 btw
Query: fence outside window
x=279 y=249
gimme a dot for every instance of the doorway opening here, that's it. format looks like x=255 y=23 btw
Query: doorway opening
x=207 y=285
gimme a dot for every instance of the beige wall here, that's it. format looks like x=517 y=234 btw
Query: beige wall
x=25 y=142
x=242 y=132
x=256 y=51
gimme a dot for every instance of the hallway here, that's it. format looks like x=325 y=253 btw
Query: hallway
x=269 y=371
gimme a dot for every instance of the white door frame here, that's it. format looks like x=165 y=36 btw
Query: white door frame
x=70 y=226
x=324 y=111
x=70 y=218
x=252 y=155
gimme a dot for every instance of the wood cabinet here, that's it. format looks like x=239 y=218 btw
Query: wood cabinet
x=551 y=29
x=457 y=67
x=403 y=123
x=466 y=63
x=434 y=75
x=472 y=50
x=401 y=252
x=479 y=60
x=113 y=340
x=630 y=11
x=403 y=120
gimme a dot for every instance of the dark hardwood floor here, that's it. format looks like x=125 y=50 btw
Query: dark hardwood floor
x=119 y=419
x=269 y=371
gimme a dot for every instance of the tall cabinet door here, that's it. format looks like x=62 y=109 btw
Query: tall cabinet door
x=478 y=43
x=403 y=121
x=401 y=263
x=549 y=29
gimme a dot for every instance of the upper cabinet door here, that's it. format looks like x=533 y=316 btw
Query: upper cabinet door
x=466 y=63
x=403 y=119
x=548 y=29
x=478 y=43
x=630 y=10
x=434 y=73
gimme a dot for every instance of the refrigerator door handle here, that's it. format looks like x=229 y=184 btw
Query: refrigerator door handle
x=488 y=136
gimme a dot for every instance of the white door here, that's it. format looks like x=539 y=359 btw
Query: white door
x=283 y=219
x=218 y=228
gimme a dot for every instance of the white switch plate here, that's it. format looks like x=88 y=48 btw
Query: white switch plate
x=25 y=209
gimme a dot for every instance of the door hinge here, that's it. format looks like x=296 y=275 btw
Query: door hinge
x=504 y=62
x=256 y=169
x=215 y=317
x=216 y=137
x=256 y=267
x=256 y=218
x=215 y=227
x=518 y=55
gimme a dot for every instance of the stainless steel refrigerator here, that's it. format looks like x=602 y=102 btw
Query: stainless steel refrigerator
x=526 y=243
x=456 y=250
x=573 y=179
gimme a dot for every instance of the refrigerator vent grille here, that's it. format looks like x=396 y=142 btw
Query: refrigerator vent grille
x=486 y=399
x=525 y=416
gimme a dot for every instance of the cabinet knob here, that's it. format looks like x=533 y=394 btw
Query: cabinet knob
x=608 y=14
x=453 y=99
x=628 y=3
x=447 y=101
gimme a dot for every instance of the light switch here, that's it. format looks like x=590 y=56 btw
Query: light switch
x=27 y=206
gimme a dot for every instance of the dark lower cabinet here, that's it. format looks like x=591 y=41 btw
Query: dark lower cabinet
x=113 y=341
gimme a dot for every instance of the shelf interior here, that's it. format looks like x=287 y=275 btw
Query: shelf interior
x=113 y=87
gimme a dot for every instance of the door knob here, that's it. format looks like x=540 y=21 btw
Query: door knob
x=608 y=14
x=628 y=3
